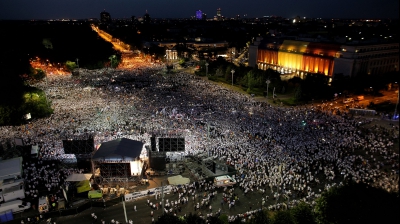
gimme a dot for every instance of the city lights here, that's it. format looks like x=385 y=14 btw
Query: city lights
x=51 y=69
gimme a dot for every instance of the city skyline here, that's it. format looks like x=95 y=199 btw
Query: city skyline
x=82 y=9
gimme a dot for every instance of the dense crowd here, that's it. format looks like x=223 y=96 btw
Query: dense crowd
x=291 y=153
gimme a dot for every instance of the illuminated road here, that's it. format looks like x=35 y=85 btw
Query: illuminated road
x=129 y=60
x=387 y=96
x=118 y=44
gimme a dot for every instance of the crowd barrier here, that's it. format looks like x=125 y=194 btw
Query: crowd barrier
x=55 y=214
x=93 y=203
x=152 y=191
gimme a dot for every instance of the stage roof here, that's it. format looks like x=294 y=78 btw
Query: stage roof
x=119 y=148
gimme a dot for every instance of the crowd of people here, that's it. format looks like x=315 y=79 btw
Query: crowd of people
x=292 y=153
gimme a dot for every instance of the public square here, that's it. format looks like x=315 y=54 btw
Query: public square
x=283 y=155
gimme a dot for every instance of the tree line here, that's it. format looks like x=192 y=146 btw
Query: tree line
x=312 y=87
x=70 y=45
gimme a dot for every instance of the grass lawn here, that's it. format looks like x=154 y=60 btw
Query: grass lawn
x=286 y=99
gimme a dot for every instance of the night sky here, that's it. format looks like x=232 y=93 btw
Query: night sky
x=81 y=9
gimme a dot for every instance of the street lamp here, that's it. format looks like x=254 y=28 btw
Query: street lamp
x=123 y=205
x=268 y=82
x=47 y=86
x=397 y=103
x=273 y=94
x=162 y=195
x=207 y=69
x=233 y=71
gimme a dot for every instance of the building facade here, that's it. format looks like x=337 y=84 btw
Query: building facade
x=199 y=14
x=105 y=17
x=301 y=57
x=367 y=59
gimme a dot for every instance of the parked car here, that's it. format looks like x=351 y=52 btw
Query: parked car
x=224 y=181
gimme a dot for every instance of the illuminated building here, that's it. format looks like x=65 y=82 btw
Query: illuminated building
x=219 y=14
x=146 y=18
x=367 y=59
x=199 y=14
x=171 y=54
x=105 y=17
x=300 y=58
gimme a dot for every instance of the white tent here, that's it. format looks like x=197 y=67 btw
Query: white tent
x=34 y=149
x=178 y=180
x=79 y=177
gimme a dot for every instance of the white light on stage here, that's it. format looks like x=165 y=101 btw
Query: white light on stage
x=136 y=167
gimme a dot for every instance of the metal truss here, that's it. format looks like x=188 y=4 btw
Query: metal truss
x=78 y=146
x=171 y=144
x=113 y=173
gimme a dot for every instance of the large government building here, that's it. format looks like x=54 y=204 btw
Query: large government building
x=301 y=57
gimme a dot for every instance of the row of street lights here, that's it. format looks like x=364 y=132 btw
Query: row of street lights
x=233 y=71
x=268 y=82
x=397 y=103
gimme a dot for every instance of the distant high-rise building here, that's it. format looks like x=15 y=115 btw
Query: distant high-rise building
x=199 y=14
x=105 y=17
x=134 y=19
x=146 y=18
x=219 y=13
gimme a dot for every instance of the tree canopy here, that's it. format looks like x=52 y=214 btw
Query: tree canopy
x=71 y=65
x=33 y=101
x=357 y=203
x=353 y=203
x=303 y=214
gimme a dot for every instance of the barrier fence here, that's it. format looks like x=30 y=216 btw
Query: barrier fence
x=362 y=112
x=88 y=204
x=69 y=211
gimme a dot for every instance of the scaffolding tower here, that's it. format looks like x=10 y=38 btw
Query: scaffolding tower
x=207 y=166
x=113 y=173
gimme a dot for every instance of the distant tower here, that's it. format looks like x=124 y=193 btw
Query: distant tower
x=199 y=14
x=146 y=18
x=219 y=13
x=105 y=17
